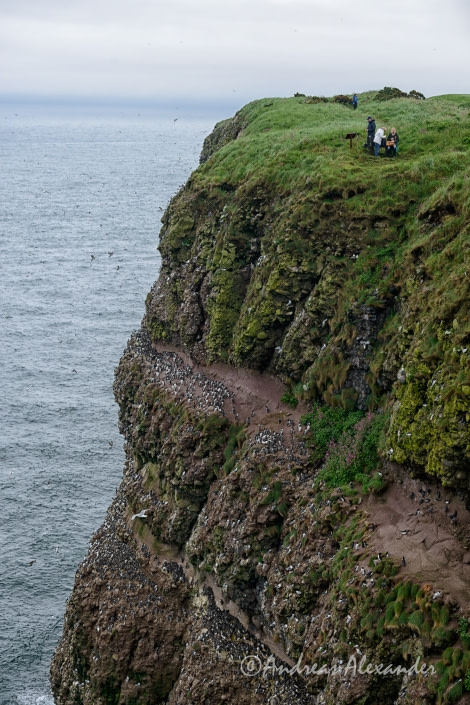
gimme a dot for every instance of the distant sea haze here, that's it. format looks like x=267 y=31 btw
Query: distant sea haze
x=82 y=195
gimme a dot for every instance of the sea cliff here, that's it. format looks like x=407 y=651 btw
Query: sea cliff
x=295 y=412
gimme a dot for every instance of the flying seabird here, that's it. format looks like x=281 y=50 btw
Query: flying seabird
x=140 y=515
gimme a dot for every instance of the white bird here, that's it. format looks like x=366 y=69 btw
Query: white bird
x=140 y=515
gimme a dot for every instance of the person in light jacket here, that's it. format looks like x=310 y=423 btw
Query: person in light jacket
x=379 y=136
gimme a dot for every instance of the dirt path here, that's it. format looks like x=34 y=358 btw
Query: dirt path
x=412 y=522
x=250 y=396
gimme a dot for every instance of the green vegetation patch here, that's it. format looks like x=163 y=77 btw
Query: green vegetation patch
x=348 y=444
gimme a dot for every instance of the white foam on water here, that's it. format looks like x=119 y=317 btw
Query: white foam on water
x=34 y=699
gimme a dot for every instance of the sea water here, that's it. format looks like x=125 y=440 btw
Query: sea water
x=82 y=191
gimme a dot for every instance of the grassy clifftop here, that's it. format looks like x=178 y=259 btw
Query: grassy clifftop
x=344 y=274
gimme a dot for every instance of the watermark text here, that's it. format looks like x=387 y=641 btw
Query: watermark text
x=253 y=666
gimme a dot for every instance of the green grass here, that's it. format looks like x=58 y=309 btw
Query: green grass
x=235 y=441
x=290 y=399
x=347 y=442
x=464 y=631
x=287 y=142
x=328 y=424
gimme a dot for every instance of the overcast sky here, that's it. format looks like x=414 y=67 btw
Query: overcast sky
x=231 y=50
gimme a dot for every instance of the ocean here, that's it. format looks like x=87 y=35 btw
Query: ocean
x=81 y=196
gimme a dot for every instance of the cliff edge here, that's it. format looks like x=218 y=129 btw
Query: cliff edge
x=292 y=523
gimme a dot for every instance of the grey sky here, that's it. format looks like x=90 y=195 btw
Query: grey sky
x=232 y=49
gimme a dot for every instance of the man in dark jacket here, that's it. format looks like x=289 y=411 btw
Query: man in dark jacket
x=370 y=132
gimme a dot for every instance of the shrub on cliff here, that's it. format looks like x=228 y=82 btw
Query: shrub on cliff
x=389 y=93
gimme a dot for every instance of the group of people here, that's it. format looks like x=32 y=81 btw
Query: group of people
x=376 y=139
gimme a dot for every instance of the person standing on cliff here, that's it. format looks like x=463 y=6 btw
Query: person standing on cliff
x=354 y=101
x=370 y=132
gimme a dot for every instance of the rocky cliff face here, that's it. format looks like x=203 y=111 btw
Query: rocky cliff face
x=295 y=412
